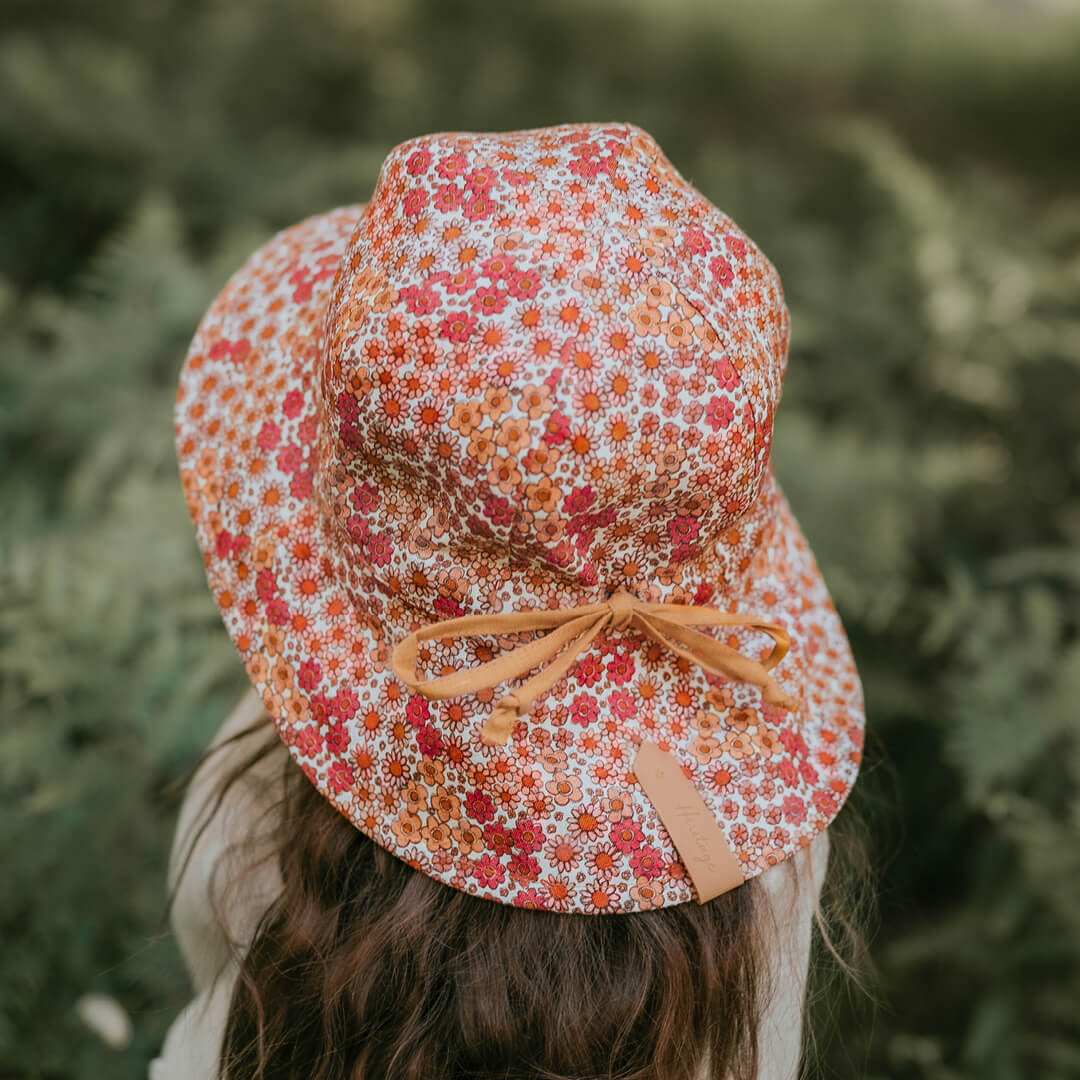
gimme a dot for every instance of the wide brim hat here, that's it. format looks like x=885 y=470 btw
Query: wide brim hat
x=535 y=373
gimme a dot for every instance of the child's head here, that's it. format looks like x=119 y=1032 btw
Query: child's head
x=481 y=473
x=364 y=967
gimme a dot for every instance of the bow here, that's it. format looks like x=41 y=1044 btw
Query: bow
x=572 y=630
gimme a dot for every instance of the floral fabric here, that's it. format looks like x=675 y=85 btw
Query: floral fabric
x=536 y=367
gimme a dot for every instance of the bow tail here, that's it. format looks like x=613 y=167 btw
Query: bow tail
x=718 y=658
x=509 y=707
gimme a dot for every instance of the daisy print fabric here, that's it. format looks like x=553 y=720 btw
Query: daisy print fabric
x=534 y=368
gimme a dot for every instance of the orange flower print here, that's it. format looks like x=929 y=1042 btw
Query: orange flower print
x=496 y=401
x=646 y=319
x=564 y=789
x=736 y=746
x=436 y=834
x=407 y=828
x=657 y=293
x=469 y=838
x=705 y=748
x=767 y=741
x=648 y=893
x=482 y=445
x=414 y=797
x=466 y=417
x=535 y=401
x=512 y=435
x=431 y=771
x=540 y=459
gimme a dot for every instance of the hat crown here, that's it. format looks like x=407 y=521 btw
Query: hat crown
x=548 y=351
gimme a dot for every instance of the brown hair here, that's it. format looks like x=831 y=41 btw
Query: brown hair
x=363 y=968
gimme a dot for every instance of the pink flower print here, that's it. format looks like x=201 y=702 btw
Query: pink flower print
x=477 y=207
x=223 y=543
x=488 y=300
x=309 y=742
x=429 y=740
x=419 y=300
x=417 y=710
x=603 y=860
x=557 y=428
x=320 y=708
x=695 y=240
x=489 y=870
x=794 y=810
x=622 y=704
x=523 y=284
x=265 y=584
x=379 y=549
x=648 y=894
x=499 y=838
x=793 y=742
x=517 y=177
x=523 y=867
x=808 y=772
x=365 y=497
x=647 y=862
x=478 y=806
x=458 y=326
x=340 y=776
x=418 y=162
x=721 y=271
x=446 y=607
x=621 y=668
x=579 y=500
x=337 y=739
x=528 y=836
x=448 y=198
x=583 y=710
x=480 y=180
x=309 y=675
x=736 y=245
x=719 y=412
x=344 y=704
x=683 y=530
x=531 y=899
x=236 y=352
x=415 y=201
x=290 y=458
x=498 y=267
x=704 y=592
x=269 y=436
x=452 y=166
x=292 y=404
x=277 y=612
x=588 y=670
x=586 y=168
x=357 y=528
x=626 y=835
x=457 y=284
x=725 y=373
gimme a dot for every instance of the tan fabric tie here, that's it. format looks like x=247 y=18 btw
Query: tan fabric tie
x=572 y=630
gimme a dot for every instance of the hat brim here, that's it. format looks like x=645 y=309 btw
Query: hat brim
x=555 y=821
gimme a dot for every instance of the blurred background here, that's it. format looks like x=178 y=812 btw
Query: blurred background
x=913 y=171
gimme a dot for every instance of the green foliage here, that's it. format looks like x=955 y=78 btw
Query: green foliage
x=907 y=175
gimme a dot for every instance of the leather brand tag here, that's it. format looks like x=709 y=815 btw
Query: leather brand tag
x=699 y=839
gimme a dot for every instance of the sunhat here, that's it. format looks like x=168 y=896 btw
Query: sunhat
x=480 y=471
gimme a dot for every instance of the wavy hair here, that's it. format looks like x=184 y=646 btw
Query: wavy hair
x=364 y=969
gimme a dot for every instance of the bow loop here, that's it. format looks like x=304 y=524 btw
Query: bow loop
x=572 y=630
